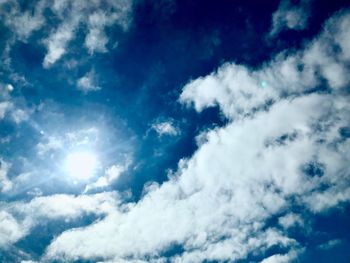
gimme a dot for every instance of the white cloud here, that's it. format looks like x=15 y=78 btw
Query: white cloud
x=279 y=258
x=290 y=220
x=10 y=230
x=217 y=203
x=23 y=24
x=53 y=143
x=20 y=115
x=44 y=208
x=57 y=42
x=96 y=38
x=5 y=106
x=5 y=182
x=330 y=244
x=111 y=175
x=96 y=15
x=87 y=83
x=240 y=91
x=165 y=128
x=289 y=16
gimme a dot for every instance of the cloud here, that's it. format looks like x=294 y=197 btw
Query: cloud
x=10 y=107
x=22 y=24
x=165 y=128
x=111 y=175
x=57 y=42
x=10 y=230
x=20 y=115
x=87 y=83
x=5 y=182
x=95 y=15
x=290 y=220
x=42 y=209
x=289 y=257
x=5 y=106
x=330 y=244
x=282 y=143
x=52 y=144
x=71 y=16
x=240 y=91
x=290 y=16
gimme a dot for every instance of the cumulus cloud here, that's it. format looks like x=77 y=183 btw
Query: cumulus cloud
x=290 y=16
x=286 y=75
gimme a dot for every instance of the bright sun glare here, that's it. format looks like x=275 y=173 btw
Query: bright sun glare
x=81 y=165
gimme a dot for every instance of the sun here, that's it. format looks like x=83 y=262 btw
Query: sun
x=81 y=164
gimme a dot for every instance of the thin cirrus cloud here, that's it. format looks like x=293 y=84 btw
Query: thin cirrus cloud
x=217 y=204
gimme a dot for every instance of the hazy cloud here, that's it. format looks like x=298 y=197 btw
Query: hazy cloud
x=87 y=83
x=290 y=16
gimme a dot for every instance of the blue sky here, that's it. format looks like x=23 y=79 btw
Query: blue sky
x=174 y=131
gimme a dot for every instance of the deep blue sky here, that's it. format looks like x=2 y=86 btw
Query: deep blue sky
x=122 y=101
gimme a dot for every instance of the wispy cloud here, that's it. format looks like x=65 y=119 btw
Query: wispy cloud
x=87 y=83
x=290 y=16
x=95 y=15
x=165 y=128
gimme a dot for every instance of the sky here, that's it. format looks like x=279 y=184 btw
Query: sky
x=174 y=131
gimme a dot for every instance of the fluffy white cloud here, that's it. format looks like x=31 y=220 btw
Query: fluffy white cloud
x=10 y=230
x=289 y=16
x=240 y=91
x=41 y=209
